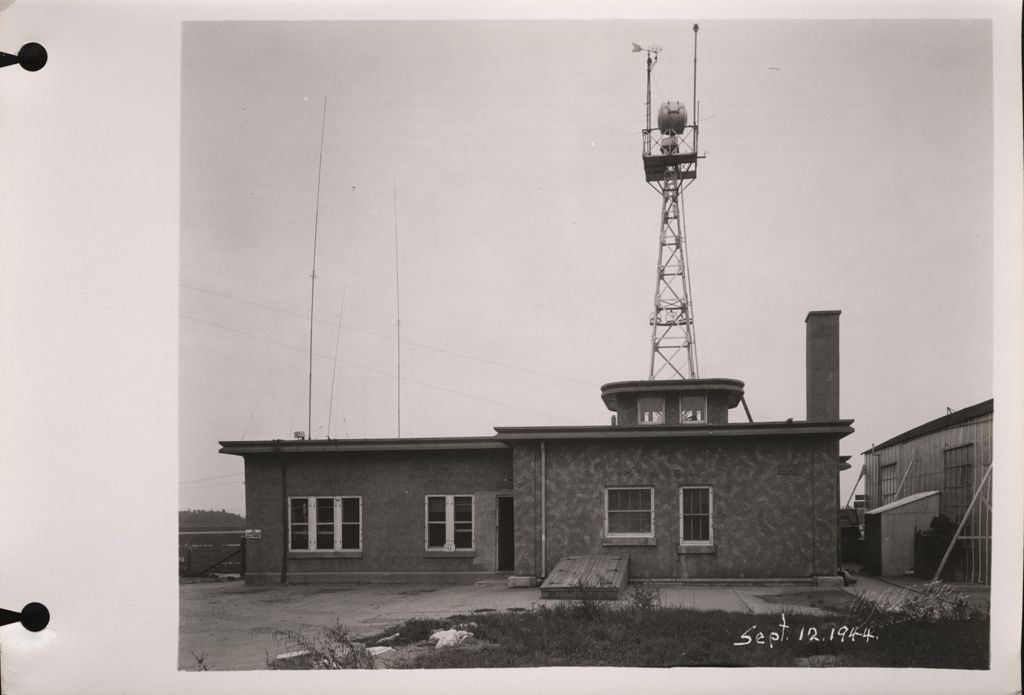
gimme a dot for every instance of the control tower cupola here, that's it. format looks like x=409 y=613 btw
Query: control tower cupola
x=682 y=402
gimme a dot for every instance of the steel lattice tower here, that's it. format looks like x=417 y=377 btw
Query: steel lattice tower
x=670 y=170
x=673 y=348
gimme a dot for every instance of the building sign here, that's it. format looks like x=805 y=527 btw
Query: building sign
x=253 y=533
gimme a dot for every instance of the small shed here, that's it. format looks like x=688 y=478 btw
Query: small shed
x=889 y=532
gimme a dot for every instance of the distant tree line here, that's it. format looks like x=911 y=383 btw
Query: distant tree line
x=209 y=517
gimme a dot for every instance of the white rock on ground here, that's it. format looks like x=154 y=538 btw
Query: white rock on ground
x=449 y=638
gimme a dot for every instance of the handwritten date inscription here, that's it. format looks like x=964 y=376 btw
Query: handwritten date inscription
x=783 y=632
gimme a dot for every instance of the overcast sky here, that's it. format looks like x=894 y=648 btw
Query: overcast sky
x=849 y=166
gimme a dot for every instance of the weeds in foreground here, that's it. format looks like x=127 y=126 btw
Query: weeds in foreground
x=646 y=597
x=574 y=633
x=587 y=600
x=201 y=664
x=937 y=603
x=322 y=648
x=934 y=629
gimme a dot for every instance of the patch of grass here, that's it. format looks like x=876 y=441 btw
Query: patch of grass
x=941 y=644
x=602 y=634
x=418 y=629
x=937 y=603
x=321 y=648
x=646 y=597
x=200 y=659
x=933 y=629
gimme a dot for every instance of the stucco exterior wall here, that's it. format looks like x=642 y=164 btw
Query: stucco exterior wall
x=774 y=512
x=527 y=475
x=627 y=413
x=718 y=408
x=392 y=486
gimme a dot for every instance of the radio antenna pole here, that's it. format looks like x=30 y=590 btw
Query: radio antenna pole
x=693 y=103
x=398 y=311
x=312 y=276
x=334 y=372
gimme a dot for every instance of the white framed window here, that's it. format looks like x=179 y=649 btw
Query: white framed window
x=696 y=525
x=449 y=522
x=629 y=511
x=651 y=410
x=693 y=407
x=319 y=524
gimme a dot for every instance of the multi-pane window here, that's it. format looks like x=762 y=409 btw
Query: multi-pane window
x=887 y=481
x=957 y=481
x=692 y=408
x=629 y=511
x=695 y=516
x=299 y=524
x=351 y=523
x=651 y=410
x=324 y=523
x=449 y=522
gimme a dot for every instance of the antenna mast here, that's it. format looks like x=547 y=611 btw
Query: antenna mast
x=669 y=169
x=312 y=276
x=398 y=312
x=334 y=372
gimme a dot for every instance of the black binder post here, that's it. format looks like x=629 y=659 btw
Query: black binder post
x=32 y=57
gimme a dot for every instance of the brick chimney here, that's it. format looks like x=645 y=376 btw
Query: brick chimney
x=822 y=365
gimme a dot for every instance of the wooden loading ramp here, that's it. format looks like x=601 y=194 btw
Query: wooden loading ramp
x=587 y=576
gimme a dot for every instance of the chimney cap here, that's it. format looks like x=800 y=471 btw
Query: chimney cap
x=823 y=312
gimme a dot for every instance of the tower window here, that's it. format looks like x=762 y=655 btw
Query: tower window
x=693 y=408
x=652 y=410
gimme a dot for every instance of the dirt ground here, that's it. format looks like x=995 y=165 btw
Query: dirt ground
x=219 y=620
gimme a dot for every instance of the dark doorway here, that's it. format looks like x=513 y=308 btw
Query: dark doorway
x=506 y=535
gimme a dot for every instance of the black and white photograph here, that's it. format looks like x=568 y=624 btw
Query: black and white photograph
x=441 y=290
x=614 y=350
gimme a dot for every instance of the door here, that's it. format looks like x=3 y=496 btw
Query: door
x=506 y=534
